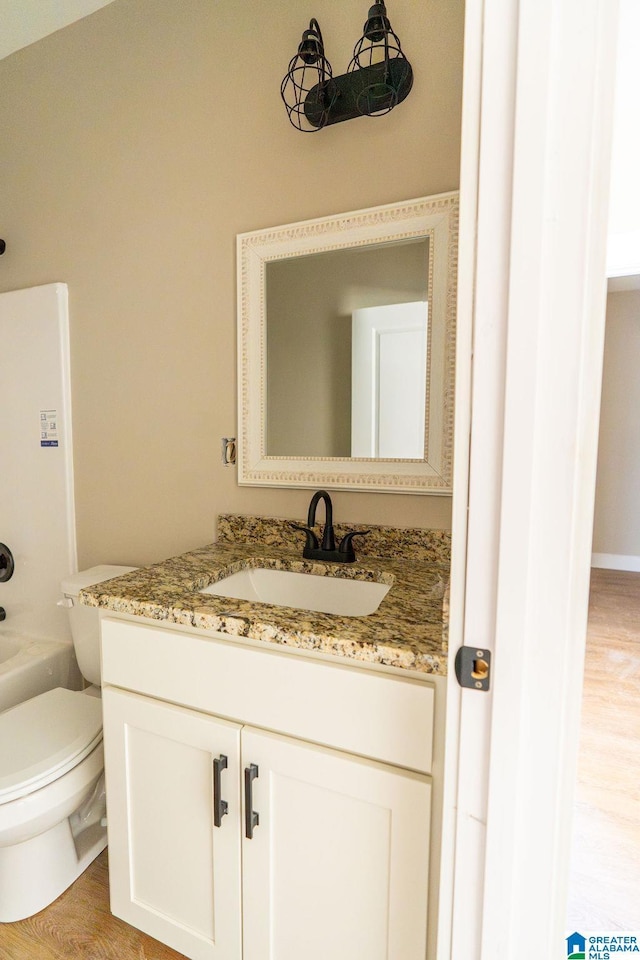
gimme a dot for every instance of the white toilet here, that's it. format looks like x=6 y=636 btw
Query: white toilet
x=52 y=799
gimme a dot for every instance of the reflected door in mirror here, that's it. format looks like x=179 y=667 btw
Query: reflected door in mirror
x=389 y=380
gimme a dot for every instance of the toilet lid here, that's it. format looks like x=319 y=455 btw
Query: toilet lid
x=43 y=738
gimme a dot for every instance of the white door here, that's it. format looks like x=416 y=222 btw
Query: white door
x=388 y=380
x=174 y=873
x=337 y=866
x=534 y=182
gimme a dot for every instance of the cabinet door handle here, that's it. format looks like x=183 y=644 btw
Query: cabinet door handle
x=220 y=806
x=251 y=817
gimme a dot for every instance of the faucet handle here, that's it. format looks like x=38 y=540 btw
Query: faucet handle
x=312 y=541
x=346 y=544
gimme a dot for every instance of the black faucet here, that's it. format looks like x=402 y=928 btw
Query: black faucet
x=313 y=550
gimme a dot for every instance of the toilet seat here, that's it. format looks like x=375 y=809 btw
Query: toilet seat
x=43 y=738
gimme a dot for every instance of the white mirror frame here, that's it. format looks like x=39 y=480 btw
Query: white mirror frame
x=433 y=217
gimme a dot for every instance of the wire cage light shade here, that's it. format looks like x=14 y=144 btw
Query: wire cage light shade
x=308 y=90
x=378 y=77
x=384 y=74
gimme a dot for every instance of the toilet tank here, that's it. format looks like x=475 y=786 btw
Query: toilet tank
x=85 y=621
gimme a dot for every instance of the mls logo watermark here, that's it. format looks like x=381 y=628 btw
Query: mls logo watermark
x=602 y=945
x=576 y=944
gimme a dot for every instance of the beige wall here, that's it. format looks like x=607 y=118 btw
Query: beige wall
x=135 y=145
x=617 y=510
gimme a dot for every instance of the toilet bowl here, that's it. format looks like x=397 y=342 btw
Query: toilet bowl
x=52 y=798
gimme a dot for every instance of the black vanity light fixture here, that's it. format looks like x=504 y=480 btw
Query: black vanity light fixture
x=378 y=77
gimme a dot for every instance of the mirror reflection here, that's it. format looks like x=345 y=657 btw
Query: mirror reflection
x=347 y=341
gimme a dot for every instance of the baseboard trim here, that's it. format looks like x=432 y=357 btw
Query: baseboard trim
x=615 y=561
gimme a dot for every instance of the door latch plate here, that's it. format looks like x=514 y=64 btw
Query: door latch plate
x=473 y=668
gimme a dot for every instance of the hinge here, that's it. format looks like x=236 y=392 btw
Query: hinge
x=473 y=668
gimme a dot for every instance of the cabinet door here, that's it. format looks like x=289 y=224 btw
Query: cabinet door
x=173 y=873
x=338 y=863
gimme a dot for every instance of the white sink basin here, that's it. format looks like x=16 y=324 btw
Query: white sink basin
x=302 y=591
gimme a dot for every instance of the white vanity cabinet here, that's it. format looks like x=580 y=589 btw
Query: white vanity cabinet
x=322 y=849
x=172 y=873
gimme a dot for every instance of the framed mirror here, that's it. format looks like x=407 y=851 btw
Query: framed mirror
x=346 y=350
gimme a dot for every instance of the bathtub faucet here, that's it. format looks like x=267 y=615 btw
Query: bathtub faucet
x=6 y=563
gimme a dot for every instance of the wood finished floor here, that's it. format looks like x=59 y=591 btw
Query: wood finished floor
x=605 y=885
x=605 y=876
x=80 y=926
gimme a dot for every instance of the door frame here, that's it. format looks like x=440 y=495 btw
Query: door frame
x=536 y=138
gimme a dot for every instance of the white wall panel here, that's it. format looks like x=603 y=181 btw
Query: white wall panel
x=36 y=470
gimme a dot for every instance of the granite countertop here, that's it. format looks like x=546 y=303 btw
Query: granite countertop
x=408 y=630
